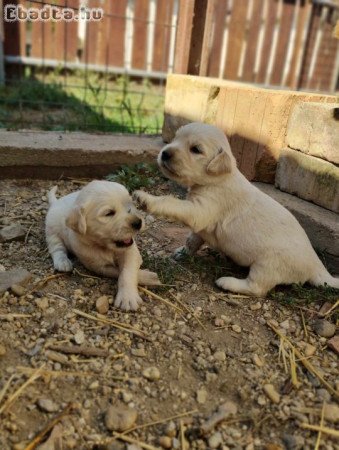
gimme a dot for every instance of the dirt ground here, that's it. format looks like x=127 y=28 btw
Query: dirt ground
x=207 y=366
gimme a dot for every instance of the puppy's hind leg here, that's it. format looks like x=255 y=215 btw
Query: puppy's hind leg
x=58 y=252
x=193 y=243
x=256 y=284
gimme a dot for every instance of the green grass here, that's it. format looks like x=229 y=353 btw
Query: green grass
x=136 y=176
x=83 y=102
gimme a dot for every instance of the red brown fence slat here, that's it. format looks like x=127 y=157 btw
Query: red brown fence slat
x=139 y=52
x=218 y=34
x=162 y=33
x=266 y=49
x=252 y=41
x=235 y=38
x=116 y=35
x=288 y=8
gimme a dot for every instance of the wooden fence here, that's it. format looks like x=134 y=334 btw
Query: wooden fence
x=285 y=43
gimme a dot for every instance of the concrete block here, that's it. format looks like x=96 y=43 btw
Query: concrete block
x=51 y=155
x=320 y=224
x=254 y=119
x=309 y=178
x=313 y=128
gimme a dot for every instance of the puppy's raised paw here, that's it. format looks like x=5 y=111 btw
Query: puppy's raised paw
x=143 y=199
x=127 y=300
x=63 y=264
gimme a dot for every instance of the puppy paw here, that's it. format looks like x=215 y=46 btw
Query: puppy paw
x=127 y=300
x=180 y=253
x=143 y=199
x=63 y=264
x=145 y=277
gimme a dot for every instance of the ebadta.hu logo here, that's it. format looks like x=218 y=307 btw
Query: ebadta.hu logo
x=13 y=13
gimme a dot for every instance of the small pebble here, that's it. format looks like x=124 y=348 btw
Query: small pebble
x=47 y=405
x=151 y=373
x=215 y=440
x=324 y=328
x=139 y=352
x=236 y=328
x=271 y=393
x=258 y=361
x=102 y=304
x=120 y=418
x=2 y=350
x=201 y=396
x=310 y=350
x=220 y=356
x=18 y=290
x=79 y=337
x=165 y=442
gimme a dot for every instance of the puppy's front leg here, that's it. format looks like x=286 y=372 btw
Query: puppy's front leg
x=183 y=211
x=129 y=262
x=58 y=252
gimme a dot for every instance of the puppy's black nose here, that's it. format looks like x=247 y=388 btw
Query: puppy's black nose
x=136 y=224
x=166 y=155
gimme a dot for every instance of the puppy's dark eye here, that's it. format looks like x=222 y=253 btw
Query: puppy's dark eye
x=110 y=213
x=195 y=150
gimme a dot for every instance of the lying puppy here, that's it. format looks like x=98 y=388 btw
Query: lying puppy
x=227 y=212
x=98 y=224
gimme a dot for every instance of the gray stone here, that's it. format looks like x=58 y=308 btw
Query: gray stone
x=49 y=154
x=47 y=405
x=120 y=418
x=15 y=276
x=321 y=225
x=324 y=328
x=310 y=178
x=13 y=232
x=314 y=130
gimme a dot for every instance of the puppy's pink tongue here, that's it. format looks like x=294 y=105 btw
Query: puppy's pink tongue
x=127 y=241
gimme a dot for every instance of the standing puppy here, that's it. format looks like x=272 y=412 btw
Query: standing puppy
x=227 y=212
x=98 y=225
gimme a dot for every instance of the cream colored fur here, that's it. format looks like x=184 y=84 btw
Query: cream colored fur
x=92 y=223
x=224 y=210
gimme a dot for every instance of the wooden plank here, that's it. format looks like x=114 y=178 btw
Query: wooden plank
x=235 y=40
x=200 y=19
x=309 y=46
x=139 y=51
x=219 y=26
x=283 y=40
x=207 y=37
x=327 y=54
x=252 y=41
x=299 y=46
x=95 y=36
x=117 y=26
x=183 y=36
x=37 y=34
x=71 y=34
x=162 y=32
x=269 y=29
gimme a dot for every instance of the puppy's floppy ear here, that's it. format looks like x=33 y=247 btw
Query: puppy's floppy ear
x=76 y=220
x=220 y=164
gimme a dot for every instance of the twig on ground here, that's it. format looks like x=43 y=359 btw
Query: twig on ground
x=333 y=307
x=80 y=350
x=325 y=430
x=305 y=362
x=321 y=425
x=85 y=276
x=11 y=316
x=121 y=326
x=6 y=387
x=40 y=436
x=130 y=440
x=304 y=324
x=35 y=375
x=27 y=234
x=187 y=309
x=44 y=281
x=161 y=299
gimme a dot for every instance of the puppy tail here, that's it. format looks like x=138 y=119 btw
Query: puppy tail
x=51 y=195
x=323 y=278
